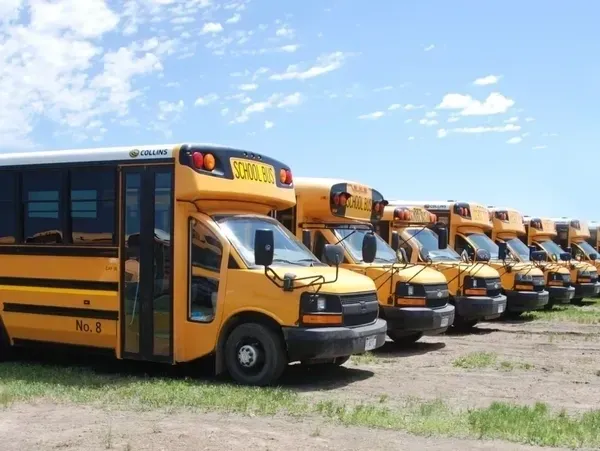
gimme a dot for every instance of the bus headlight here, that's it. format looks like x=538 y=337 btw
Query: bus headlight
x=524 y=278
x=321 y=303
x=474 y=286
x=320 y=309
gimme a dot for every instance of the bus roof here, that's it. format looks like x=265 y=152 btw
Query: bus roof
x=507 y=220
x=443 y=205
x=539 y=225
x=98 y=154
x=408 y=214
x=332 y=199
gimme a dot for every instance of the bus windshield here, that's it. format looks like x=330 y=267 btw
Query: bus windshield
x=482 y=241
x=353 y=239
x=587 y=248
x=428 y=245
x=519 y=248
x=240 y=231
x=552 y=248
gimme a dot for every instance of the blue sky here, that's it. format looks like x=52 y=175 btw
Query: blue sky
x=493 y=102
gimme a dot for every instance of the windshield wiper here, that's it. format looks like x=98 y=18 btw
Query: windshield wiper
x=297 y=262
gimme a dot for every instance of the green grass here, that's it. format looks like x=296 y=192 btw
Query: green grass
x=534 y=425
x=364 y=359
x=481 y=360
x=589 y=313
x=476 y=360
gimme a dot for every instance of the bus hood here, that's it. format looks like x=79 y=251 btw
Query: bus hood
x=468 y=269
x=525 y=268
x=348 y=282
x=554 y=267
x=416 y=274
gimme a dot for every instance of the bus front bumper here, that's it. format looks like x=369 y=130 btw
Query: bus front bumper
x=423 y=320
x=526 y=301
x=480 y=307
x=305 y=343
x=587 y=290
x=561 y=295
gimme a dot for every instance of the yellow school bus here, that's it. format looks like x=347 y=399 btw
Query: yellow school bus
x=594 y=239
x=541 y=233
x=508 y=228
x=475 y=288
x=413 y=299
x=168 y=253
x=573 y=235
x=468 y=224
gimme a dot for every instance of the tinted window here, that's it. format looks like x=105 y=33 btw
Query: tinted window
x=41 y=200
x=7 y=207
x=206 y=248
x=93 y=206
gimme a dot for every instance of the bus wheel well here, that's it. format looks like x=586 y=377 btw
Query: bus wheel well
x=231 y=323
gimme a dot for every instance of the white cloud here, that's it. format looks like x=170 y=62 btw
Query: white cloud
x=372 y=116
x=269 y=124
x=431 y=114
x=410 y=107
x=487 y=80
x=428 y=122
x=481 y=129
x=206 y=100
x=285 y=32
x=529 y=119
x=394 y=106
x=512 y=120
x=248 y=87
x=182 y=20
x=274 y=101
x=495 y=103
x=514 y=140
x=234 y=19
x=212 y=27
x=408 y=121
x=429 y=47
x=411 y=138
x=453 y=119
x=539 y=147
x=384 y=88
x=291 y=48
x=169 y=108
x=89 y=19
x=324 y=64
x=224 y=111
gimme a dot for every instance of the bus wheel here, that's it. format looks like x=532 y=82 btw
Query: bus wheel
x=401 y=339
x=5 y=347
x=254 y=355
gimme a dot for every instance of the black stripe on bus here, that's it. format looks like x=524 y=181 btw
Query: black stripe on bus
x=59 y=283
x=52 y=310
x=62 y=251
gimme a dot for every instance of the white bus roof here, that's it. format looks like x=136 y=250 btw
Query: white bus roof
x=100 y=154
x=436 y=204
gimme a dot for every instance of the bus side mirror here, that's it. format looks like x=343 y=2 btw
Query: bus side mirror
x=369 y=248
x=502 y=251
x=404 y=255
x=565 y=256
x=306 y=240
x=482 y=255
x=593 y=256
x=263 y=247
x=442 y=238
x=395 y=241
x=537 y=256
x=334 y=254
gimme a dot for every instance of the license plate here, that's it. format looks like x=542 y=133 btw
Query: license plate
x=252 y=171
x=445 y=322
x=370 y=343
x=500 y=308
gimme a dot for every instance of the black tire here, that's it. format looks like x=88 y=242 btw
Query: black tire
x=404 y=340
x=254 y=355
x=5 y=348
x=464 y=325
x=328 y=363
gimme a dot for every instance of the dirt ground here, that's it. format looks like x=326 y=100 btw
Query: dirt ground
x=46 y=427
x=557 y=363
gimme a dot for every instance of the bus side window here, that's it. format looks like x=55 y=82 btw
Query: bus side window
x=407 y=248
x=319 y=243
x=461 y=244
x=206 y=253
